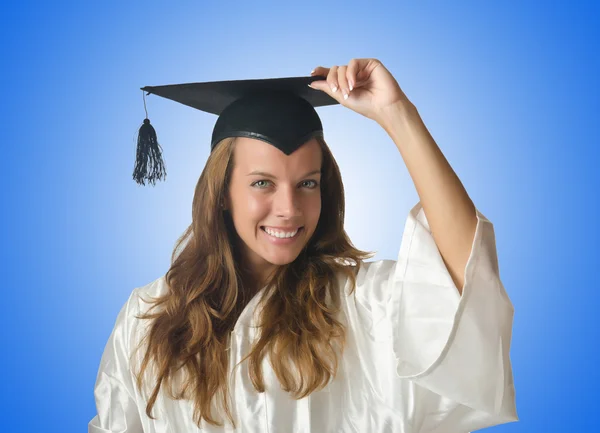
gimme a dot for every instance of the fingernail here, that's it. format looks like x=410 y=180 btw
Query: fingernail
x=345 y=95
x=312 y=72
x=351 y=87
x=333 y=89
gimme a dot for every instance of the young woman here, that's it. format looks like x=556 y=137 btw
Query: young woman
x=269 y=320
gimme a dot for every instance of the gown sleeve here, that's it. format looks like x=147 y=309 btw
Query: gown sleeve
x=456 y=347
x=114 y=392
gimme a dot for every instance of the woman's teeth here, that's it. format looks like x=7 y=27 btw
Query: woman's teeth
x=280 y=234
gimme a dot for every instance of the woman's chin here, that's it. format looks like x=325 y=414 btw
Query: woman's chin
x=281 y=259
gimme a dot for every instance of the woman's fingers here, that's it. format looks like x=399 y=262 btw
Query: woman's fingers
x=332 y=79
x=343 y=81
x=341 y=78
x=337 y=81
x=320 y=70
x=352 y=73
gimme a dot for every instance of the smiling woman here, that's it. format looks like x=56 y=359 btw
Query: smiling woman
x=298 y=270
x=269 y=319
x=287 y=202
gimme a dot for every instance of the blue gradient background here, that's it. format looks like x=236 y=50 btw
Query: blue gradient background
x=509 y=92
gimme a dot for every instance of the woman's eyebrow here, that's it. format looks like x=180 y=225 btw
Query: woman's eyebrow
x=265 y=174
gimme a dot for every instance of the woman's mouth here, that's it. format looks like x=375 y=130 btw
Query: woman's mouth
x=279 y=237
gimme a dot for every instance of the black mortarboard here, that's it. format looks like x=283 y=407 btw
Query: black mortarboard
x=280 y=111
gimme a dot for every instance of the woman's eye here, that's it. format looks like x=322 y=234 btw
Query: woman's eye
x=310 y=184
x=313 y=183
x=260 y=183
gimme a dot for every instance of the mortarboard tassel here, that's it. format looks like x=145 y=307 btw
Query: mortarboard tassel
x=148 y=162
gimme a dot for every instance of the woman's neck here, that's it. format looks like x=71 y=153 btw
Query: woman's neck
x=255 y=270
x=255 y=279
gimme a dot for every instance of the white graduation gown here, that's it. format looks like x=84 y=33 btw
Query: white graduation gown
x=418 y=358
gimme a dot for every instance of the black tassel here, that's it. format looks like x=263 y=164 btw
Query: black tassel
x=148 y=162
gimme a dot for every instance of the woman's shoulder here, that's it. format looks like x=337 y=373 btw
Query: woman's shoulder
x=142 y=298
x=154 y=289
x=129 y=322
x=370 y=276
x=368 y=269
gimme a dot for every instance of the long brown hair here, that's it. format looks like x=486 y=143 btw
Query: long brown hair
x=206 y=295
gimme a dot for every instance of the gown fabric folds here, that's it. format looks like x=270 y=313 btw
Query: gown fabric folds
x=419 y=357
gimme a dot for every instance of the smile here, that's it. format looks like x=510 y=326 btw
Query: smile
x=279 y=237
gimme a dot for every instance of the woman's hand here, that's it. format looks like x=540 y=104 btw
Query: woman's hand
x=364 y=86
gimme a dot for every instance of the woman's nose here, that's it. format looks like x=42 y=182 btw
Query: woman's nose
x=287 y=203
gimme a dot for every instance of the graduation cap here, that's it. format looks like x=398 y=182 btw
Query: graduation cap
x=279 y=111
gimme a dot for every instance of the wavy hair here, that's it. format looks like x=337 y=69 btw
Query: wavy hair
x=206 y=294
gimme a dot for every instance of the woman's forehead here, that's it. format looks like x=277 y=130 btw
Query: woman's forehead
x=251 y=155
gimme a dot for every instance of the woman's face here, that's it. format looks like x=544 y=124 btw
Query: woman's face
x=272 y=196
